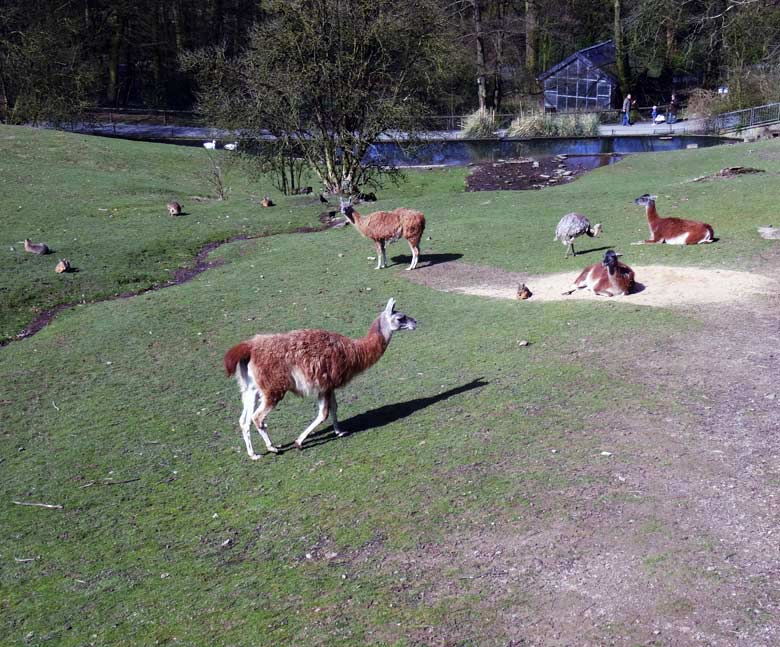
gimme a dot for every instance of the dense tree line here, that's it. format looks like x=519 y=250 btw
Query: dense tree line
x=58 y=56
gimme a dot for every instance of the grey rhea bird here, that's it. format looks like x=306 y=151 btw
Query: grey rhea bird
x=571 y=226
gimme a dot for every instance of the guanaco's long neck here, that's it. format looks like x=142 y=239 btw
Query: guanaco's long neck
x=651 y=213
x=612 y=274
x=358 y=222
x=370 y=348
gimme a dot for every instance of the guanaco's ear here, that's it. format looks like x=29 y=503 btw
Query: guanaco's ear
x=390 y=306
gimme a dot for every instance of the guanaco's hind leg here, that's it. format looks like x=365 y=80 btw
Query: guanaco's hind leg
x=259 y=419
x=249 y=398
x=323 y=409
x=334 y=407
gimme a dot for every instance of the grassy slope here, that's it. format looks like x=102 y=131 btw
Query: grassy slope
x=101 y=204
x=452 y=429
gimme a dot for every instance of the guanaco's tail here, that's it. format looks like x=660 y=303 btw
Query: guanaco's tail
x=236 y=355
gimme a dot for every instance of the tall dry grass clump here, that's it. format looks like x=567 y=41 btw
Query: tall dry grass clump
x=479 y=125
x=539 y=124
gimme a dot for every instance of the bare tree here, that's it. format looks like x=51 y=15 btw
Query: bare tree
x=323 y=79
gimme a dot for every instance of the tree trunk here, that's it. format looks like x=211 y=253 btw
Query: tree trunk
x=177 y=26
x=4 y=104
x=671 y=43
x=499 y=49
x=531 y=45
x=113 y=58
x=480 y=39
x=621 y=55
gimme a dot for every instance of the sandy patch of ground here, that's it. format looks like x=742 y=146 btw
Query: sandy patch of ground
x=657 y=285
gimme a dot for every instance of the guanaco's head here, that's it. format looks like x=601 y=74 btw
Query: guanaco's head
x=645 y=200
x=392 y=320
x=611 y=260
x=345 y=206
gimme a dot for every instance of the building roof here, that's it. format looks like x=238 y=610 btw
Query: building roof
x=598 y=56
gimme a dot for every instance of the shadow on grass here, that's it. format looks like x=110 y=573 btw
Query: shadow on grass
x=383 y=415
x=594 y=249
x=426 y=260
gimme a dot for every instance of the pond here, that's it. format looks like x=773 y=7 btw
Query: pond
x=450 y=152
x=463 y=152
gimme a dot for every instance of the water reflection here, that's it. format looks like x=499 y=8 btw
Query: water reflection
x=463 y=152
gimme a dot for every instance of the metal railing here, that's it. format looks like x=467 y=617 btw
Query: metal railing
x=748 y=118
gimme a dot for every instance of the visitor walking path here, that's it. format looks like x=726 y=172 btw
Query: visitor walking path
x=683 y=127
x=196 y=135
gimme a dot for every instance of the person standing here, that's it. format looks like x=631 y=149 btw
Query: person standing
x=674 y=105
x=627 y=110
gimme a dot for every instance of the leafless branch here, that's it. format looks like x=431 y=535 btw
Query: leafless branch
x=39 y=505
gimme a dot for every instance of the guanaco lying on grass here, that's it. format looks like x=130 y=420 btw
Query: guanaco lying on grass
x=672 y=231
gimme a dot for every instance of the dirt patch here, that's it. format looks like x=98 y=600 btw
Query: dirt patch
x=770 y=232
x=533 y=173
x=657 y=285
x=729 y=172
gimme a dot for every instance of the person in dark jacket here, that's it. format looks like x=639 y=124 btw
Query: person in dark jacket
x=627 y=110
x=674 y=106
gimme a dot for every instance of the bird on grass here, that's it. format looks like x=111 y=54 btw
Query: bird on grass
x=571 y=226
x=35 y=248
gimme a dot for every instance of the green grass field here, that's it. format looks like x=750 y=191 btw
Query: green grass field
x=119 y=410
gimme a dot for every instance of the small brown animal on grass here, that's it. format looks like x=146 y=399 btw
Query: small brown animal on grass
x=305 y=362
x=267 y=202
x=385 y=227
x=523 y=292
x=174 y=208
x=62 y=266
x=35 y=248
